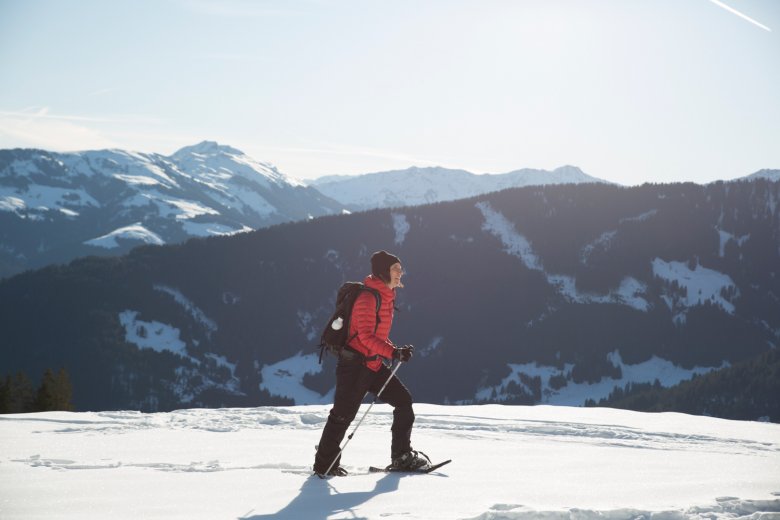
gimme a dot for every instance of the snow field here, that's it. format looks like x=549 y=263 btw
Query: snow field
x=509 y=462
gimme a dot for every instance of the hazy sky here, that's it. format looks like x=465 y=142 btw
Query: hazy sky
x=630 y=91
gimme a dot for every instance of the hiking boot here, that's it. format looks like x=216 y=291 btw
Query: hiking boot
x=410 y=461
x=335 y=471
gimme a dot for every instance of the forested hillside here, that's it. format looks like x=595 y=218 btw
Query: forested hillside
x=553 y=294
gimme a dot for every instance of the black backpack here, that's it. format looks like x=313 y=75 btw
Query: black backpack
x=335 y=338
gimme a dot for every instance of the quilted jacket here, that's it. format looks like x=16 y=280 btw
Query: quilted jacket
x=366 y=341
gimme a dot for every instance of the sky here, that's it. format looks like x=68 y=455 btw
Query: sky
x=630 y=91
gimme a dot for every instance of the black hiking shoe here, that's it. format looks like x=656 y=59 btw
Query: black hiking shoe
x=336 y=471
x=410 y=461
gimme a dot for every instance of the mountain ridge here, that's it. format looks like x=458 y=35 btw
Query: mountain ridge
x=58 y=206
x=552 y=294
x=425 y=185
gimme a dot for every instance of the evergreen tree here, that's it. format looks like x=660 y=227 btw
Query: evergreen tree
x=55 y=392
x=5 y=395
x=64 y=391
x=44 y=400
x=20 y=394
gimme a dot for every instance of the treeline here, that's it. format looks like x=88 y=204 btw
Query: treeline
x=55 y=393
x=749 y=390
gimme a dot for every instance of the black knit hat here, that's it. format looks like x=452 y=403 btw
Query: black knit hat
x=381 y=262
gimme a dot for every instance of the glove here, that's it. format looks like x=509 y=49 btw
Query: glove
x=404 y=353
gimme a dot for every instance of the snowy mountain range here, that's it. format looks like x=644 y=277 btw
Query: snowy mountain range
x=771 y=175
x=553 y=294
x=415 y=186
x=509 y=463
x=55 y=207
x=58 y=206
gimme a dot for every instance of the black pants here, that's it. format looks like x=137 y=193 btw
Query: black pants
x=353 y=380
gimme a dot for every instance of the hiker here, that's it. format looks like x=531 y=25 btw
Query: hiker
x=361 y=369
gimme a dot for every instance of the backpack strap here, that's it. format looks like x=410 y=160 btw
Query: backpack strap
x=378 y=298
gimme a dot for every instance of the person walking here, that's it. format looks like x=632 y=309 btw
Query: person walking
x=361 y=369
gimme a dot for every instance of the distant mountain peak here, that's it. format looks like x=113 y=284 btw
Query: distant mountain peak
x=568 y=168
x=766 y=173
x=108 y=201
x=207 y=148
x=209 y=159
x=423 y=185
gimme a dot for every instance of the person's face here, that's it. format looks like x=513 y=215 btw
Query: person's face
x=396 y=272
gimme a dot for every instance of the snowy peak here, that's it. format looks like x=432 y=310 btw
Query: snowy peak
x=562 y=172
x=76 y=204
x=772 y=175
x=212 y=161
x=573 y=173
x=208 y=148
x=425 y=185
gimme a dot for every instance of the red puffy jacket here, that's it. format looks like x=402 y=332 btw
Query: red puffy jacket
x=368 y=342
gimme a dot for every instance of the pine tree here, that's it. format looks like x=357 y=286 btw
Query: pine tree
x=5 y=395
x=64 y=391
x=44 y=400
x=55 y=392
x=20 y=394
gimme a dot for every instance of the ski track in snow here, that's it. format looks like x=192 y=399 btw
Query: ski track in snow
x=456 y=425
x=255 y=463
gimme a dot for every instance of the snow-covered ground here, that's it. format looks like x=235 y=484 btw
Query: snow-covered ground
x=509 y=462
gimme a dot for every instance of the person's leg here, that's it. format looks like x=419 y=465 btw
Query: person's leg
x=352 y=382
x=396 y=395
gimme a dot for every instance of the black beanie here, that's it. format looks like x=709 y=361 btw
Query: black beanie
x=380 y=264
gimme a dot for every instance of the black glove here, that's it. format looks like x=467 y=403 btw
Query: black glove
x=404 y=353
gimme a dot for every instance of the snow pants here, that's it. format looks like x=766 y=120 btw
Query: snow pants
x=353 y=380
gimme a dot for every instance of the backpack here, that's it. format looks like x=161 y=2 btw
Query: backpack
x=335 y=337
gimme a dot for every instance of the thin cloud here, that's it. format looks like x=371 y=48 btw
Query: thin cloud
x=741 y=15
x=38 y=127
x=45 y=113
x=50 y=134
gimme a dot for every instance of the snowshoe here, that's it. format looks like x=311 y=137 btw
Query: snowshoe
x=410 y=461
x=336 y=471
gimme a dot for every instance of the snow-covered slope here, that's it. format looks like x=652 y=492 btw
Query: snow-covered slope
x=416 y=186
x=56 y=206
x=772 y=175
x=214 y=163
x=509 y=462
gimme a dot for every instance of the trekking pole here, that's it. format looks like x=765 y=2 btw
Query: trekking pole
x=349 y=438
